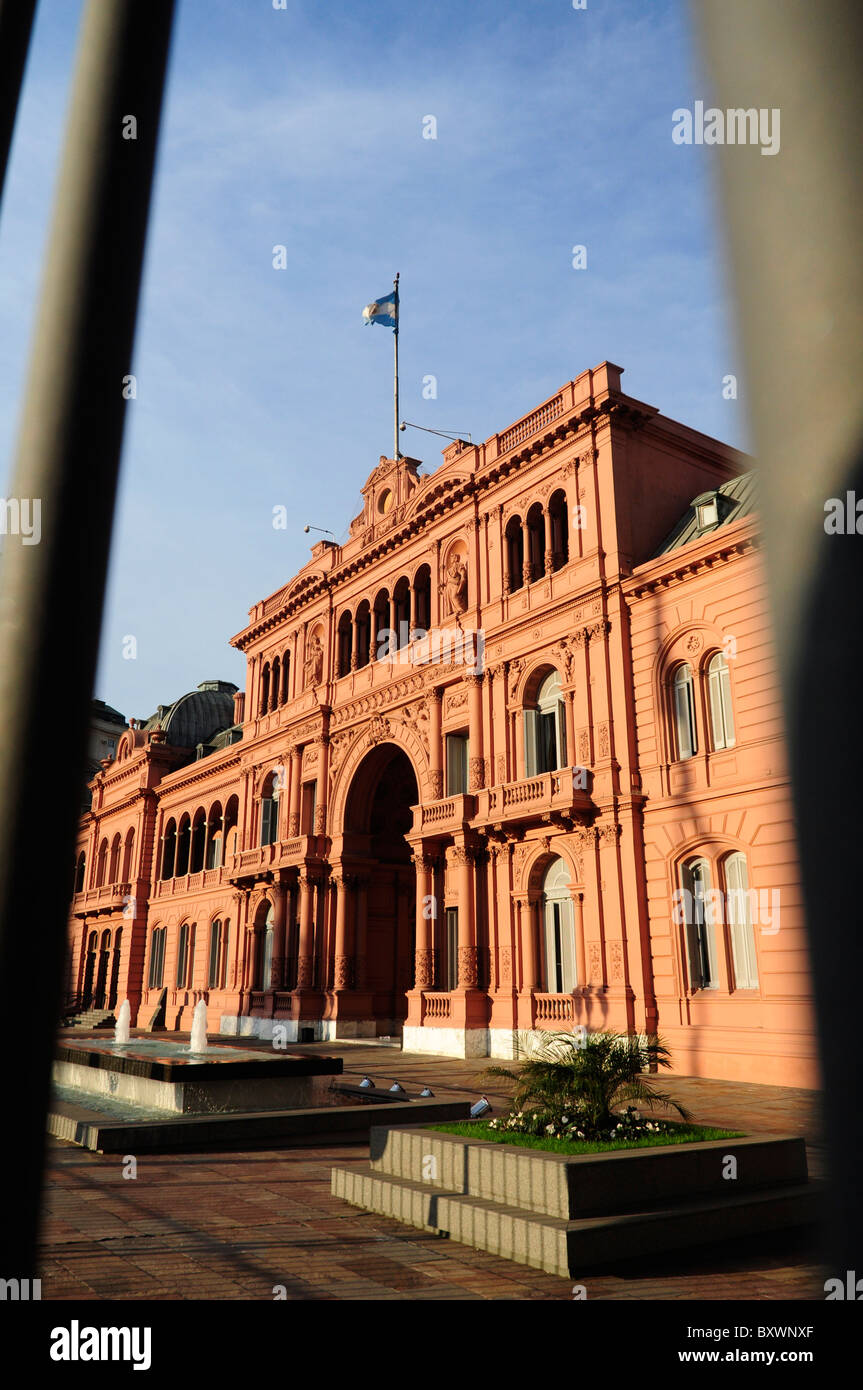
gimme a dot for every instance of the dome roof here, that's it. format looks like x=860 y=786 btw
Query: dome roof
x=196 y=717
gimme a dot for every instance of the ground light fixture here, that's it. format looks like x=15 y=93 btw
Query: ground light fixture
x=426 y=1091
x=367 y=1084
x=399 y=1090
x=481 y=1107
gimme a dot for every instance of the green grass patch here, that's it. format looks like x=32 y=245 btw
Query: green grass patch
x=681 y=1134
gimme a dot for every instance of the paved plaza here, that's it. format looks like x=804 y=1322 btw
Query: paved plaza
x=230 y=1225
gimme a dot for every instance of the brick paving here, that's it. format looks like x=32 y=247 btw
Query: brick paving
x=234 y=1225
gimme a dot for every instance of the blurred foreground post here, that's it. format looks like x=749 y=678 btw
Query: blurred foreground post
x=795 y=225
x=52 y=580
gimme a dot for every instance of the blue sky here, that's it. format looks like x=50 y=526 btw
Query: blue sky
x=303 y=127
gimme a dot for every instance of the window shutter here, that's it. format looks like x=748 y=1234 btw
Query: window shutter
x=716 y=711
x=531 y=742
x=727 y=712
x=266 y=821
x=561 y=734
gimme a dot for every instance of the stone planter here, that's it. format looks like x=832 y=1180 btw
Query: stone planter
x=563 y=1213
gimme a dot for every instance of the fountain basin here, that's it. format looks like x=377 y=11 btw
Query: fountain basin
x=165 y=1076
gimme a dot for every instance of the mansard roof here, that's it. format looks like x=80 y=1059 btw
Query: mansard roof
x=196 y=717
x=733 y=500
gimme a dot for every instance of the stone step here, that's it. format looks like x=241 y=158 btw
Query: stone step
x=568 y=1248
x=91 y=1018
x=570 y=1187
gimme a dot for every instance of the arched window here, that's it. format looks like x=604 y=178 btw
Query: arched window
x=182 y=975
x=683 y=703
x=545 y=729
x=231 y=833
x=157 y=958
x=265 y=951
x=214 y=964
x=265 y=689
x=286 y=678
x=738 y=901
x=170 y=851
x=199 y=835
x=422 y=598
x=719 y=698
x=559 y=539
x=514 y=539
x=102 y=864
x=346 y=630
x=270 y=810
x=402 y=611
x=80 y=872
x=184 y=839
x=698 y=915
x=128 y=852
x=558 y=930
x=363 y=633
x=536 y=541
x=381 y=639
x=114 y=869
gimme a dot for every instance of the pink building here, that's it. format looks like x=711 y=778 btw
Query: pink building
x=509 y=759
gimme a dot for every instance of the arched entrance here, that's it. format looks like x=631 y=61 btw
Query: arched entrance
x=558 y=930
x=377 y=859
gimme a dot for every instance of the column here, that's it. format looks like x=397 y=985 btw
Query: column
x=569 y=712
x=305 y=953
x=323 y=783
x=277 y=968
x=549 y=548
x=527 y=564
x=424 y=950
x=580 y=958
x=476 y=775
x=435 y=700
x=467 y=956
x=296 y=776
x=343 y=977
x=529 y=945
x=361 y=930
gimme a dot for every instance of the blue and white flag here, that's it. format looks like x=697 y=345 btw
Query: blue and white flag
x=384 y=311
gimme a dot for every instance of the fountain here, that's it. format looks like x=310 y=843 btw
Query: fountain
x=121 y=1027
x=198 y=1042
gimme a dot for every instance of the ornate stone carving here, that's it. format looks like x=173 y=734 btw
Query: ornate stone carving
x=436 y=784
x=378 y=730
x=468 y=967
x=694 y=643
x=506 y=965
x=313 y=667
x=583 y=747
x=344 y=972
x=594 y=959
x=501 y=767
x=608 y=834
x=604 y=746
x=294 y=824
x=615 y=957
x=305 y=972
x=320 y=819
x=455 y=585
x=476 y=776
x=515 y=670
x=424 y=971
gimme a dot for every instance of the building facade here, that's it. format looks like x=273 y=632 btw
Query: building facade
x=511 y=758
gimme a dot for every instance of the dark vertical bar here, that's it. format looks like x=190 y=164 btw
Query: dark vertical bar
x=16 y=23
x=51 y=593
x=794 y=220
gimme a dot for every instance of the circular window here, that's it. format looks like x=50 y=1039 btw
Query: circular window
x=385 y=502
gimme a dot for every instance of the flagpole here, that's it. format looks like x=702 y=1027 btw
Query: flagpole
x=396 y=386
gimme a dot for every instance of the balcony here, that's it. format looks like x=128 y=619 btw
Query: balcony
x=105 y=899
x=446 y=817
x=550 y=796
x=267 y=859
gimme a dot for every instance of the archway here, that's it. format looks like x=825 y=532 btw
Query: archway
x=559 y=947
x=377 y=857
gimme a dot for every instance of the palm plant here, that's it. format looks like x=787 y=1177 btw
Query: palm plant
x=590 y=1075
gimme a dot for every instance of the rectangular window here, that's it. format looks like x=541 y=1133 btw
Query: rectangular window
x=215 y=951
x=684 y=718
x=309 y=801
x=739 y=914
x=456 y=764
x=452 y=947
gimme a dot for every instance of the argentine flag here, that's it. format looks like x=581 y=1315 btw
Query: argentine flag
x=384 y=311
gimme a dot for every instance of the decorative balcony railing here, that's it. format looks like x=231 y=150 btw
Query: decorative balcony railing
x=554 y=1008
x=437 y=1008
x=444 y=817
x=531 y=424
x=109 y=895
x=282 y=854
x=550 y=793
